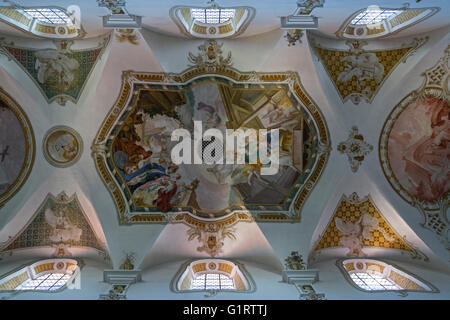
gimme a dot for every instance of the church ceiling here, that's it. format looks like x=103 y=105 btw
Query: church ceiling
x=132 y=150
x=214 y=207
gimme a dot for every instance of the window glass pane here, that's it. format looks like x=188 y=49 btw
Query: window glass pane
x=48 y=15
x=213 y=281
x=49 y=281
x=210 y=15
x=372 y=280
x=372 y=16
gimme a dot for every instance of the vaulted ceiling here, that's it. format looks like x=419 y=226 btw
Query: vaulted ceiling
x=342 y=115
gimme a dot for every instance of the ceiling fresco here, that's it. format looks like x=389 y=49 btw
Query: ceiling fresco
x=359 y=122
x=60 y=223
x=138 y=146
x=414 y=148
x=357 y=73
x=17 y=147
x=356 y=224
x=62 y=146
x=60 y=73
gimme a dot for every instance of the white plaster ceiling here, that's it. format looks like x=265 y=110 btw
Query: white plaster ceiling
x=156 y=244
x=156 y=14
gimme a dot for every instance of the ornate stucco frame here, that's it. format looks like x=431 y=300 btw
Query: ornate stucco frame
x=436 y=85
x=132 y=81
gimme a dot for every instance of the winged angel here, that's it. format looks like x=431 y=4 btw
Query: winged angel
x=353 y=234
x=210 y=55
x=55 y=68
x=363 y=67
x=63 y=229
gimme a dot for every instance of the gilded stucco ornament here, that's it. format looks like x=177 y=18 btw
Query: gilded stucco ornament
x=210 y=56
x=127 y=35
x=307 y=292
x=211 y=234
x=307 y=6
x=128 y=261
x=293 y=36
x=355 y=148
x=294 y=261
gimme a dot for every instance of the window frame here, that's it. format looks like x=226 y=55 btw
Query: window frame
x=429 y=288
x=384 y=28
x=28 y=267
x=185 y=269
x=189 y=28
x=38 y=28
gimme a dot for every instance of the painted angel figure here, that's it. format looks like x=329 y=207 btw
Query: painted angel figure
x=363 y=67
x=354 y=233
x=63 y=230
x=52 y=65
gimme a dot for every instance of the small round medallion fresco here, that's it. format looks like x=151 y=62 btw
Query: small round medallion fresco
x=62 y=146
x=17 y=147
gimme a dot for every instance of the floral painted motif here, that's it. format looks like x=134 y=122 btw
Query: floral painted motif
x=295 y=261
x=355 y=148
x=293 y=36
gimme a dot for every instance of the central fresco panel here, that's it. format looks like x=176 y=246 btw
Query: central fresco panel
x=133 y=149
x=141 y=148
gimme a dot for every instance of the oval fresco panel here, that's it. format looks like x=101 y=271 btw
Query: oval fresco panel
x=133 y=150
x=17 y=147
x=415 y=149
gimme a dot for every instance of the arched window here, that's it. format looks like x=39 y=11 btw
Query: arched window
x=212 y=22
x=212 y=275
x=374 y=276
x=375 y=22
x=48 y=22
x=45 y=275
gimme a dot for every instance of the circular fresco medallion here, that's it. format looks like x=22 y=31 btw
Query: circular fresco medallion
x=414 y=149
x=17 y=147
x=62 y=146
